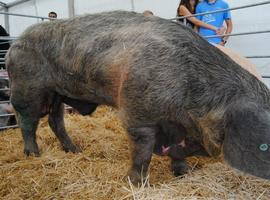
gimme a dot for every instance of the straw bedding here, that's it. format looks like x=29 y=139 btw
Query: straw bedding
x=99 y=172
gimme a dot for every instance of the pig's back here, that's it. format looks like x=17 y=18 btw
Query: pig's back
x=108 y=51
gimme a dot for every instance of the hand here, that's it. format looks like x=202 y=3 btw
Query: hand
x=221 y=31
x=222 y=43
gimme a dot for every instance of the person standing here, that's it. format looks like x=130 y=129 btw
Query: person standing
x=148 y=13
x=214 y=19
x=52 y=15
x=187 y=8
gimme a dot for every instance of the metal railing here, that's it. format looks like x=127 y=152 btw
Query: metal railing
x=7 y=115
x=7 y=38
x=237 y=34
x=255 y=57
x=22 y=15
x=7 y=127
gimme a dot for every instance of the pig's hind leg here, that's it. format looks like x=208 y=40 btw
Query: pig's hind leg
x=179 y=167
x=178 y=154
x=144 y=141
x=56 y=122
x=28 y=108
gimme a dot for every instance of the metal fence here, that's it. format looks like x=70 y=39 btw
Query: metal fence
x=28 y=16
x=4 y=40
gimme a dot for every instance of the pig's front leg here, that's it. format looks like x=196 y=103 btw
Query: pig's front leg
x=144 y=141
x=56 y=122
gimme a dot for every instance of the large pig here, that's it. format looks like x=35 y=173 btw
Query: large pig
x=152 y=70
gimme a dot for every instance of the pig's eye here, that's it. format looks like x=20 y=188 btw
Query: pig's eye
x=264 y=147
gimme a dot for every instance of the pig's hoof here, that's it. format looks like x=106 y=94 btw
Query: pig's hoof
x=31 y=149
x=180 y=168
x=72 y=148
x=135 y=177
x=29 y=152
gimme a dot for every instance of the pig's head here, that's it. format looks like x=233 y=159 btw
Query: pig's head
x=246 y=144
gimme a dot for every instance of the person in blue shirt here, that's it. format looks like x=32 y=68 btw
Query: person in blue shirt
x=187 y=8
x=215 y=19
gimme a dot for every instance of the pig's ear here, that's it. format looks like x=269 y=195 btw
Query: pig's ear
x=247 y=130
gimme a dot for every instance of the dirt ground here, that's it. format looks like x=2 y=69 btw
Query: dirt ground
x=99 y=172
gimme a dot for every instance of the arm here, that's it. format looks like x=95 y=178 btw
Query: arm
x=198 y=23
x=229 y=28
x=228 y=21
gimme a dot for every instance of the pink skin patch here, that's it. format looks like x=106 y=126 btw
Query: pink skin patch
x=165 y=150
x=182 y=143
x=3 y=74
x=8 y=108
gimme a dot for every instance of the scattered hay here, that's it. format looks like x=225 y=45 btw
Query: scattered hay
x=99 y=172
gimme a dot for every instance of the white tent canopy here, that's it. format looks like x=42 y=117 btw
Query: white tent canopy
x=10 y=3
x=7 y=1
